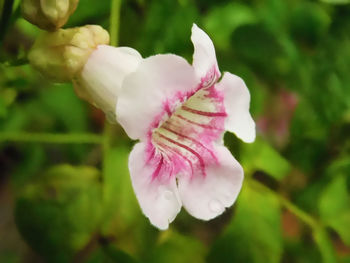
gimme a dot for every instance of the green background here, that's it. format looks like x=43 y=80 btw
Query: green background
x=65 y=192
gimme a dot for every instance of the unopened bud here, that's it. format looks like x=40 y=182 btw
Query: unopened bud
x=48 y=14
x=61 y=55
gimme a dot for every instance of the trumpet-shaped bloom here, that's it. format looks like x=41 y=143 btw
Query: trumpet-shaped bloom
x=101 y=78
x=179 y=112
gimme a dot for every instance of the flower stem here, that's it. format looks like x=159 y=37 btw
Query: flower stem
x=114 y=22
x=51 y=137
x=114 y=33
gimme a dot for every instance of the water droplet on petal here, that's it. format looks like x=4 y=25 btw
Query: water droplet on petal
x=215 y=206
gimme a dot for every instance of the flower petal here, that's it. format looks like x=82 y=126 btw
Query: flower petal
x=206 y=197
x=204 y=58
x=237 y=100
x=102 y=76
x=158 y=197
x=153 y=91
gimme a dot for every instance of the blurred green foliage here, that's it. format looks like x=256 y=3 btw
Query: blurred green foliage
x=59 y=212
x=254 y=234
x=295 y=203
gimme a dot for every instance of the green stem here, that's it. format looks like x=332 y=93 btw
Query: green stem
x=114 y=21
x=113 y=32
x=303 y=216
x=51 y=138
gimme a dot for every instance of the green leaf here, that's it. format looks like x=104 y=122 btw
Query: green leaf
x=263 y=157
x=324 y=245
x=334 y=207
x=109 y=254
x=254 y=234
x=30 y=166
x=123 y=218
x=120 y=201
x=175 y=36
x=3 y=108
x=9 y=257
x=222 y=21
x=61 y=102
x=87 y=11
x=59 y=212
x=309 y=22
x=177 y=248
x=257 y=46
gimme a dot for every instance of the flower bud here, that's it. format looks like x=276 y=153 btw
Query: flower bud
x=101 y=78
x=61 y=55
x=48 y=14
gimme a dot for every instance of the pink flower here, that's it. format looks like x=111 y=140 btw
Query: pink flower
x=179 y=113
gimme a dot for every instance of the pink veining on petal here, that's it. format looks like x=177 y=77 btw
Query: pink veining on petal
x=182 y=136
x=189 y=149
x=210 y=78
x=193 y=140
x=181 y=165
x=170 y=105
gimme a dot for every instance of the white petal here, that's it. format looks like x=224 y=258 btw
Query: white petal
x=155 y=88
x=104 y=73
x=158 y=198
x=204 y=58
x=206 y=197
x=237 y=100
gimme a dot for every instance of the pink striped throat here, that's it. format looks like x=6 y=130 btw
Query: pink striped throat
x=184 y=141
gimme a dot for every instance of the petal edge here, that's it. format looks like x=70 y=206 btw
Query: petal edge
x=204 y=57
x=158 y=199
x=153 y=90
x=237 y=100
x=207 y=197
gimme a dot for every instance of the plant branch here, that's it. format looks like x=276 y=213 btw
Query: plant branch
x=51 y=138
x=113 y=32
x=114 y=22
x=303 y=216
